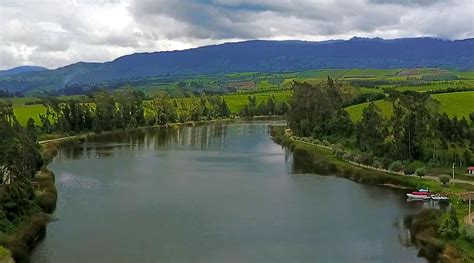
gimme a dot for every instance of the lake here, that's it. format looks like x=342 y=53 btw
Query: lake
x=214 y=193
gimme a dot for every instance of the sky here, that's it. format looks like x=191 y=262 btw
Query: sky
x=54 y=33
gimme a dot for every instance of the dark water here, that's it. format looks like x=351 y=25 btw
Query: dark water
x=217 y=193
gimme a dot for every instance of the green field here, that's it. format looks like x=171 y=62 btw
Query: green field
x=356 y=111
x=24 y=112
x=235 y=103
x=262 y=84
x=459 y=104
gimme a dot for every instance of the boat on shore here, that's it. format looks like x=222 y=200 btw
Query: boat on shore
x=419 y=196
x=425 y=195
x=439 y=198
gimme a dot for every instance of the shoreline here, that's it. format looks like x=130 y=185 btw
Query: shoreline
x=340 y=168
x=450 y=251
x=33 y=229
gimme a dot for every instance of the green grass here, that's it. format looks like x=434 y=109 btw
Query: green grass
x=236 y=102
x=459 y=104
x=355 y=111
x=24 y=112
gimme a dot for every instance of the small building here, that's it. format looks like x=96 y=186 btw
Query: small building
x=470 y=170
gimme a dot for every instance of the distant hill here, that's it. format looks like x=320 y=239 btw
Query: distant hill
x=21 y=69
x=258 y=55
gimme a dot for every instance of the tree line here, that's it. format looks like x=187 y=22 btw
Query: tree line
x=415 y=131
x=126 y=108
x=19 y=160
x=270 y=107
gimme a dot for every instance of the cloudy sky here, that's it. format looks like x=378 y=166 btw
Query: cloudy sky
x=53 y=33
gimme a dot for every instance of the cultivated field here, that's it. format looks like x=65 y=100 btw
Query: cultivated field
x=459 y=104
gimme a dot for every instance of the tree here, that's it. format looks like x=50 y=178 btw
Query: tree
x=396 y=166
x=371 y=130
x=449 y=226
x=164 y=110
x=422 y=171
x=105 y=111
x=444 y=179
x=310 y=109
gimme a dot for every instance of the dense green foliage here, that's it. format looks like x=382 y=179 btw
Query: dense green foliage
x=270 y=107
x=19 y=161
x=414 y=131
x=127 y=109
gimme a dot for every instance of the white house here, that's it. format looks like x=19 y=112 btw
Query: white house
x=470 y=170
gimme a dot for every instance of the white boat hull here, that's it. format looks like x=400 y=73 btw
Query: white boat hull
x=418 y=197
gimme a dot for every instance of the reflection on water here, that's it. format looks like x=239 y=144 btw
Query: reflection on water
x=215 y=193
x=199 y=138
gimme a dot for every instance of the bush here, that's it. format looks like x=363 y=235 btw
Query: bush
x=366 y=159
x=5 y=255
x=338 y=150
x=357 y=157
x=396 y=166
x=449 y=226
x=409 y=170
x=378 y=164
x=444 y=179
x=348 y=156
x=469 y=233
x=26 y=237
x=326 y=143
x=5 y=225
x=422 y=171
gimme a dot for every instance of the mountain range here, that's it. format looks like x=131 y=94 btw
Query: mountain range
x=21 y=69
x=255 y=55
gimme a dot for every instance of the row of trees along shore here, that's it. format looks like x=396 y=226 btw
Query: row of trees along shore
x=20 y=159
x=415 y=131
x=127 y=108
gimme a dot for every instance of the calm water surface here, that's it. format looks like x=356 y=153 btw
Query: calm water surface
x=217 y=193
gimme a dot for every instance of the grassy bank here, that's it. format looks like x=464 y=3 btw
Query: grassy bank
x=319 y=159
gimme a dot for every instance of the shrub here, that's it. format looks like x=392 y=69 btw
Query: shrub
x=5 y=255
x=366 y=158
x=5 y=225
x=449 y=226
x=422 y=171
x=47 y=202
x=409 y=170
x=26 y=236
x=396 y=166
x=338 y=150
x=357 y=157
x=348 y=156
x=444 y=179
x=316 y=141
x=469 y=233
x=326 y=143
x=378 y=164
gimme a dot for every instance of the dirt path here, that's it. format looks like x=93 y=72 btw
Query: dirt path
x=62 y=139
x=435 y=178
x=459 y=181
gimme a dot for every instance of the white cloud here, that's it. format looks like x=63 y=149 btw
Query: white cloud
x=54 y=33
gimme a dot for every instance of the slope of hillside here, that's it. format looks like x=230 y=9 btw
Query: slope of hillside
x=260 y=56
x=21 y=69
x=457 y=104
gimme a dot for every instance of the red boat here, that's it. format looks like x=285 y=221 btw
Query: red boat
x=419 y=195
